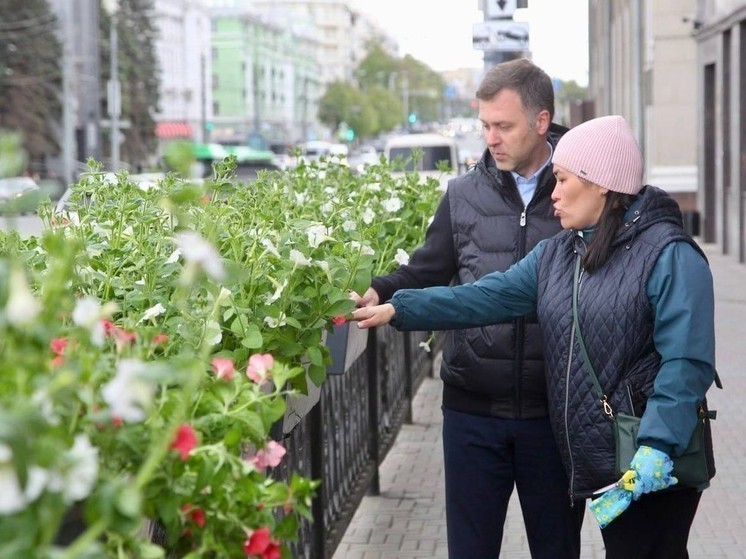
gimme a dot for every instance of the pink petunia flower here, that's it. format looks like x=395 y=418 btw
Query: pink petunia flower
x=223 y=368
x=259 y=366
x=184 y=441
x=268 y=457
x=159 y=339
x=339 y=320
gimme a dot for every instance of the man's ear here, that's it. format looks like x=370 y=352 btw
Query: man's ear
x=543 y=121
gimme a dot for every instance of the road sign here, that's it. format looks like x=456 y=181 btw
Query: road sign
x=500 y=35
x=494 y=9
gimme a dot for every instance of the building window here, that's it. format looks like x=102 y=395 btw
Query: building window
x=215 y=108
x=215 y=81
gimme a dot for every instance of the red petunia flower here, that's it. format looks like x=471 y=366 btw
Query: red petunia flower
x=258 y=542
x=185 y=440
x=261 y=545
x=195 y=514
x=339 y=320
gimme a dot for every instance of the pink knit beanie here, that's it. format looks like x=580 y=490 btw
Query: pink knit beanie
x=603 y=151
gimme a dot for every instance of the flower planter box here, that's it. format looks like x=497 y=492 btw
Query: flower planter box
x=346 y=343
x=298 y=406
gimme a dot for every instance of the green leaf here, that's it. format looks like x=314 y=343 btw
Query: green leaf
x=315 y=356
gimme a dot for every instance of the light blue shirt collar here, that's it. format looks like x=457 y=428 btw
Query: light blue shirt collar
x=527 y=186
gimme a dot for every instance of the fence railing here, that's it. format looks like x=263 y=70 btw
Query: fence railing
x=346 y=436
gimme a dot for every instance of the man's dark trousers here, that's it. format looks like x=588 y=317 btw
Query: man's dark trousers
x=484 y=458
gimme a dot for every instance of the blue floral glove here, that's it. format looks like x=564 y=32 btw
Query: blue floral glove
x=652 y=471
x=610 y=505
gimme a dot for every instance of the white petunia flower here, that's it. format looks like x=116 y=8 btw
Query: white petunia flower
x=401 y=257
x=80 y=477
x=267 y=244
x=373 y=186
x=152 y=312
x=425 y=346
x=128 y=394
x=88 y=313
x=393 y=204
x=224 y=295
x=362 y=249
x=349 y=225
x=13 y=499
x=298 y=258
x=198 y=252
x=317 y=234
x=368 y=216
x=213 y=332
x=272 y=322
x=279 y=288
x=22 y=307
x=174 y=258
x=43 y=402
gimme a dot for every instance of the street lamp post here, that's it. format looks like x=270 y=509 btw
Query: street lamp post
x=114 y=105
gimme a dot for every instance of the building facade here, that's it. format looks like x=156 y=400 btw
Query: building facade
x=266 y=77
x=643 y=66
x=183 y=51
x=720 y=31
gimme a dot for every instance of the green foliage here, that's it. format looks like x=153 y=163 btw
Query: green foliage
x=147 y=287
x=375 y=104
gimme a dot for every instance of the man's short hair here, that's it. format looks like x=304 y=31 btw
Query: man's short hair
x=530 y=82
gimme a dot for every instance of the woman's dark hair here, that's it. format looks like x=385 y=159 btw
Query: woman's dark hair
x=611 y=220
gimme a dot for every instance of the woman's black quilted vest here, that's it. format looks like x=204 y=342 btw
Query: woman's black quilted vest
x=617 y=325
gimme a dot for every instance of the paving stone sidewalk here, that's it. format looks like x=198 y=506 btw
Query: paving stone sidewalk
x=408 y=519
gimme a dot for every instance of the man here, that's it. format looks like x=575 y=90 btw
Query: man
x=496 y=433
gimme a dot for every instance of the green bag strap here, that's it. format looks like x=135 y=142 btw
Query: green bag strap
x=592 y=373
x=608 y=410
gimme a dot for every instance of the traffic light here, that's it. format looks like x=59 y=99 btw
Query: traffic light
x=349 y=134
x=412 y=118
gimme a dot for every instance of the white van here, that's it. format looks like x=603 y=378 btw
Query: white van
x=434 y=150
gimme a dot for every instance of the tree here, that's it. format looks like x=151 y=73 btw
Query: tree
x=138 y=75
x=424 y=89
x=342 y=102
x=30 y=75
x=387 y=106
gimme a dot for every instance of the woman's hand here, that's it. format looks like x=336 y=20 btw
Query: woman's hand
x=367 y=317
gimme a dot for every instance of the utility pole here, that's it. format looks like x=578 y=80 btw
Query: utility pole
x=68 y=134
x=405 y=98
x=114 y=90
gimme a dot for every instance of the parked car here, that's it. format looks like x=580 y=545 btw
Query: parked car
x=363 y=156
x=424 y=153
x=19 y=195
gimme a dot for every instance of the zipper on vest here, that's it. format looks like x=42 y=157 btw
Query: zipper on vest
x=567 y=400
x=523 y=218
x=567 y=425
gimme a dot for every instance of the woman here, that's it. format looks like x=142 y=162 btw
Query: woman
x=645 y=308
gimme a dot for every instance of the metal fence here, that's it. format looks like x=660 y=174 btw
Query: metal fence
x=345 y=437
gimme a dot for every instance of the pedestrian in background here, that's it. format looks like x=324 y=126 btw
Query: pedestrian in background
x=645 y=309
x=496 y=432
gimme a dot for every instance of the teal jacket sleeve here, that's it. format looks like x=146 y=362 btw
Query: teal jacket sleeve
x=680 y=291
x=496 y=297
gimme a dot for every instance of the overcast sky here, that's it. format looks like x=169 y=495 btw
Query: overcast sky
x=439 y=32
